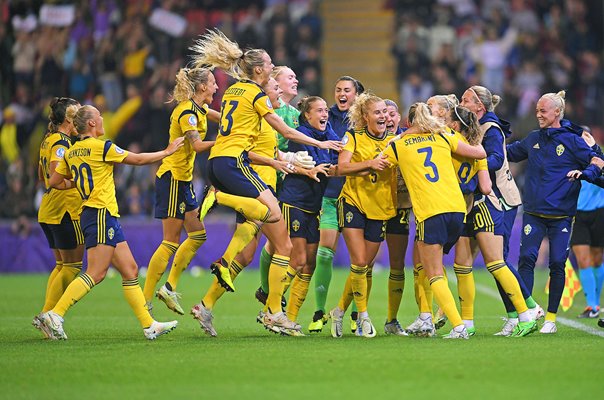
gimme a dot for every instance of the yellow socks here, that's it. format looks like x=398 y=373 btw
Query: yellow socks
x=74 y=292
x=252 y=209
x=184 y=255
x=550 y=317
x=290 y=274
x=509 y=283
x=297 y=295
x=424 y=291
x=358 y=282
x=157 y=266
x=347 y=297
x=466 y=290
x=396 y=285
x=369 y=277
x=276 y=279
x=243 y=235
x=54 y=288
x=134 y=297
x=445 y=299
x=216 y=291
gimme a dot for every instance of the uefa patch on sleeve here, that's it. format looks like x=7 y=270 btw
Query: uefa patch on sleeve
x=193 y=120
x=60 y=152
x=268 y=103
x=345 y=139
x=119 y=150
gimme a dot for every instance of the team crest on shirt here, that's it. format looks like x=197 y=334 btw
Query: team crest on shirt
x=192 y=120
x=181 y=207
x=296 y=225
x=110 y=233
x=119 y=150
x=60 y=152
x=527 y=229
x=559 y=150
x=349 y=216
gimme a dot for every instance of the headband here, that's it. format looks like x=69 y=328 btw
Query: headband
x=459 y=118
x=480 y=101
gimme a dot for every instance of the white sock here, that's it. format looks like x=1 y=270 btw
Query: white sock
x=364 y=314
x=469 y=323
x=425 y=316
x=524 y=316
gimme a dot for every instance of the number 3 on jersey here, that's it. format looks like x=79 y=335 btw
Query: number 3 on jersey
x=226 y=120
x=433 y=177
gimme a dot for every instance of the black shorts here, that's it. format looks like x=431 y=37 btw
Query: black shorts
x=351 y=217
x=588 y=228
x=399 y=224
x=301 y=224
x=64 y=236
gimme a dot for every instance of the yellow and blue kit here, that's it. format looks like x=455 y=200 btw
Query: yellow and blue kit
x=90 y=163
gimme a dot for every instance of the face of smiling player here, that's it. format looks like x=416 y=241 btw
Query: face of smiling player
x=376 y=117
x=345 y=94
x=394 y=119
x=317 y=115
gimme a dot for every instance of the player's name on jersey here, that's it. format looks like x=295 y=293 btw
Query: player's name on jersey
x=419 y=139
x=235 y=91
x=79 y=153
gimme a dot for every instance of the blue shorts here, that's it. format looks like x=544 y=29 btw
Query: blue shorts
x=173 y=198
x=100 y=227
x=444 y=229
x=64 y=236
x=234 y=175
x=301 y=224
x=351 y=217
x=484 y=217
x=399 y=224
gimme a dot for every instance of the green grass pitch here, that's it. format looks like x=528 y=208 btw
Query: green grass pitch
x=107 y=357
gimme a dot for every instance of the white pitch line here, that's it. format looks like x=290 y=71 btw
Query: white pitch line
x=564 y=321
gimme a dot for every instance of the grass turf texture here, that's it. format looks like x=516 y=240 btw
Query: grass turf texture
x=107 y=356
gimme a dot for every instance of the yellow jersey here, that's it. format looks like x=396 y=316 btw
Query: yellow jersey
x=266 y=146
x=56 y=202
x=90 y=163
x=374 y=194
x=244 y=104
x=425 y=162
x=187 y=116
x=466 y=168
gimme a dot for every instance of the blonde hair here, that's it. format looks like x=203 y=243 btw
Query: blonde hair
x=279 y=70
x=187 y=80
x=558 y=99
x=421 y=118
x=359 y=109
x=214 y=49
x=485 y=97
x=81 y=118
x=447 y=102
x=470 y=128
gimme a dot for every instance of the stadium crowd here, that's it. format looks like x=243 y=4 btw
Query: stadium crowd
x=115 y=57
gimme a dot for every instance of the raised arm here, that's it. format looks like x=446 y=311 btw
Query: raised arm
x=150 y=158
x=517 y=151
x=465 y=150
x=289 y=133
